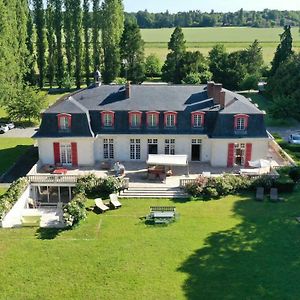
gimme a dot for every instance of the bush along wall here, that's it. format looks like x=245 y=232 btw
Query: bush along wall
x=75 y=211
x=8 y=199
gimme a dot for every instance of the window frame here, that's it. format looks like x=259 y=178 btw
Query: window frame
x=238 y=120
x=103 y=119
x=148 y=115
x=138 y=118
x=64 y=116
x=202 y=118
x=168 y=114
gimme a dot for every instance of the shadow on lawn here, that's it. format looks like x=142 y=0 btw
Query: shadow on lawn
x=257 y=259
x=49 y=233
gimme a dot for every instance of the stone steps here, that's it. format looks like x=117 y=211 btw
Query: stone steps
x=153 y=192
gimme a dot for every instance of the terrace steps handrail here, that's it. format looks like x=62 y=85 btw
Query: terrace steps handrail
x=184 y=182
x=52 y=178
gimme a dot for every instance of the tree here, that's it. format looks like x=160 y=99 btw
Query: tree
x=218 y=62
x=112 y=29
x=253 y=58
x=132 y=50
x=69 y=35
x=176 y=45
x=86 y=26
x=51 y=41
x=192 y=78
x=153 y=66
x=57 y=24
x=27 y=105
x=285 y=90
x=77 y=27
x=39 y=17
x=284 y=49
x=96 y=34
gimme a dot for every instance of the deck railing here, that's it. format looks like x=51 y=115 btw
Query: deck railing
x=52 y=178
x=184 y=182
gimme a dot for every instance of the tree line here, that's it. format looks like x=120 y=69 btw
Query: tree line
x=196 y=18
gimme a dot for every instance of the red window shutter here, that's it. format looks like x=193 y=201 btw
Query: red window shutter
x=246 y=122
x=248 y=154
x=235 y=122
x=193 y=120
x=202 y=119
x=69 y=120
x=113 y=119
x=175 y=119
x=74 y=154
x=56 y=152
x=230 y=157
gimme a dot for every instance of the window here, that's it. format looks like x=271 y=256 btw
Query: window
x=135 y=119
x=108 y=149
x=170 y=119
x=241 y=122
x=198 y=119
x=152 y=119
x=107 y=119
x=64 y=122
x=196 y=141
x=65 y=154
x=152 y=141
x=170 y=146
x=135 y=149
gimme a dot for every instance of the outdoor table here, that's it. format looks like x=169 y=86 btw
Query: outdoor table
x=60 y=171
x=163 y=214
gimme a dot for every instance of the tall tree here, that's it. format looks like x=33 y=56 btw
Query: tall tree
x=253 y=58
x=112 y=29
x=58 y=24
x=176 y=45
x=51 y=42
x=86 y=22
x=30 y=59
x=39 y=17
x=69 y=35
x=284 y=49
x=96 y=24
x=77 y=26
x=132 y=50
x=218 y=62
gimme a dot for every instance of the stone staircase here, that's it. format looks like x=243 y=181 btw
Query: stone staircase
x=153 y=191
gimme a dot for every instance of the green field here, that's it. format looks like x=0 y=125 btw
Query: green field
x=11 y=149
x=203 y=39
x=234 y=248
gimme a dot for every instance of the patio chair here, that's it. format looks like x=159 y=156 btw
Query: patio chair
x=260 y=194
x=100 y=205
x=114 y=202
x=274 y=195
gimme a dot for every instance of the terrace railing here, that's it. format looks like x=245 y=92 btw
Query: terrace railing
x=184 y=182
x=41 y=178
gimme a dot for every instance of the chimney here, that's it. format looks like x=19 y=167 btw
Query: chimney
x=217 y=92
x=127 y=90
x=222 y=99
x=97 y=78
x=210 y=89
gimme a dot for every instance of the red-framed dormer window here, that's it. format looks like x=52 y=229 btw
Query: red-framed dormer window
x=135 y=119
x=197 y=119
x=152 y=119
x=170 y=119
x=108 y=119
x=64 y=122
x=241 y=122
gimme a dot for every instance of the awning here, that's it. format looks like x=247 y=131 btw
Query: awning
x=167 y=160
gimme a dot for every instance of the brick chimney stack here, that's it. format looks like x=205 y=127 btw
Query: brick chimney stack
x=127 y=90
x=217 y=92
x=210 y=89
x=214 y=90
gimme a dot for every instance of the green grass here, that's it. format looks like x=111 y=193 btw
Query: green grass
x=234 y=248
x=11 y=149
x=292 y=149
x=2 y=191
x=203 y=39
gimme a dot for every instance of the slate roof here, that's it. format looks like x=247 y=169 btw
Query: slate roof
x=86 y=105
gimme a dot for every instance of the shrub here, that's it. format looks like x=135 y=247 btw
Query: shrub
x=264 y=181
x=12 y=195
x=75 y=211
x=86 y=184
x=108 y=185
x=294 y=174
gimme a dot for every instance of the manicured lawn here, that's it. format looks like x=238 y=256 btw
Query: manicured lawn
x=234 y=248
x=203 y=39
x=11 y=149
x=2 y=191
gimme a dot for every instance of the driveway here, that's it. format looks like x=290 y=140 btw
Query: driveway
x=284 y=132
x=19 y=133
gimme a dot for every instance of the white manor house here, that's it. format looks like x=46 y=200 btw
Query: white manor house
x=127 y=123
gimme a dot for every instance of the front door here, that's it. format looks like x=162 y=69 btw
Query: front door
x=196 y=152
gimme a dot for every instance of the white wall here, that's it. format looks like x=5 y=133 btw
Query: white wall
x=183 y=145
x=85 y=149
x=219 y=149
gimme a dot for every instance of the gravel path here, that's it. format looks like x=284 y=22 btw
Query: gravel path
x=19 y=133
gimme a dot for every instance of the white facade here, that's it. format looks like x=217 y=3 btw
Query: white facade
x=135 y=147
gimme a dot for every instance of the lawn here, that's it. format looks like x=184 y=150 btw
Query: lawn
x=11 y=149
x=2 y=191
x=203 y=39
x=234 y=248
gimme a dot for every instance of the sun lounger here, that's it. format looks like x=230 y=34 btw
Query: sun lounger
x=260 y=194
x=114 y=202
x=100 y=205
x=31 y=218
x=274 y=195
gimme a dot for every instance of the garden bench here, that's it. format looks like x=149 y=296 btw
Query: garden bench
x=162 y=208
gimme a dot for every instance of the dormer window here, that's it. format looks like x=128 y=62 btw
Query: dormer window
x=108 y=119
x=135 y=118
x=64 y=122
x=241 y=122
x=170 y=119
x=152 y=119
x=197 y=119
